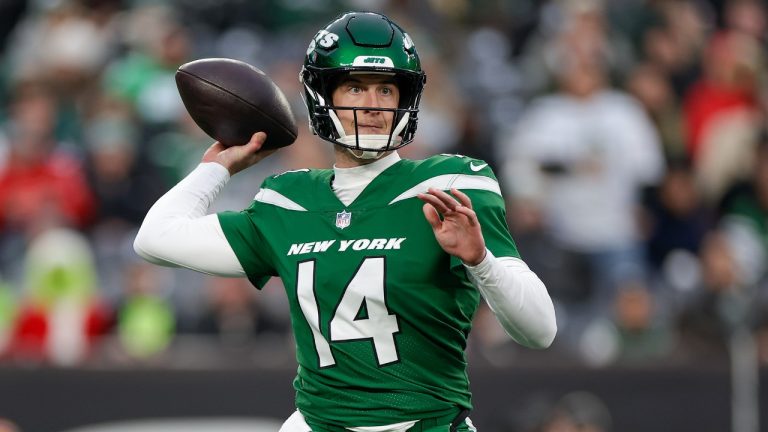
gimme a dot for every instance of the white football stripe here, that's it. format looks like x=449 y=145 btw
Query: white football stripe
x=268 y=196
x=448 y=181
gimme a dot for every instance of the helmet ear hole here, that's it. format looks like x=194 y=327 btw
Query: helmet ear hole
x=305 y=76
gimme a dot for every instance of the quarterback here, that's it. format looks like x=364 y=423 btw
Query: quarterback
x=384 y=260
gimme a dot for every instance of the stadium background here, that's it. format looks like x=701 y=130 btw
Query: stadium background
x=647 y=218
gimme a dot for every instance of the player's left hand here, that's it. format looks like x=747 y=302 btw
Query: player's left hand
x=458 y=231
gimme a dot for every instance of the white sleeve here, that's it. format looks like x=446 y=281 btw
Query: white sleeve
x=177 y=232
x=518 y=299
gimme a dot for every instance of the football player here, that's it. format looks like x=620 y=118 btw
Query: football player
x=384 y=260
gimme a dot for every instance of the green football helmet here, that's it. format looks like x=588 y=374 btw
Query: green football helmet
x=362 y=42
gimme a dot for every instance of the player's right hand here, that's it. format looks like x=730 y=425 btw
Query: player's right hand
x=240 y=157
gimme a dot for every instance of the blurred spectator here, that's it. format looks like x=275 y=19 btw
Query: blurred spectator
x=234 y=314
x=575 y=28
x=720 y=112
x=176 y=151
x=492 y=82
x=579 y=158
x=124 y=189
x=644 y=333
x=639 y=331
x=7 y=316
x=145 y=76
x=674 y=42
x=578 y=412
x=745 y=219
x=676 y=217
x=652 y=88
x=146 y=323
x=39 y=184
x=703 y=330
x=761 y=337
x=749 y=17
x=67 y=43
x=62 y=317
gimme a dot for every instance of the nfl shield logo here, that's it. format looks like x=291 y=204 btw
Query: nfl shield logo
x=343 y=219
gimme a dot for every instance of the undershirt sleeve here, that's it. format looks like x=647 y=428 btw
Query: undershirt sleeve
x=517 y=298
x=177 y=232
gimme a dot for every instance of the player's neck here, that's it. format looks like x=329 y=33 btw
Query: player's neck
x=348 y=183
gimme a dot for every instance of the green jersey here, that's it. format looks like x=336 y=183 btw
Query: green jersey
x=380 y=312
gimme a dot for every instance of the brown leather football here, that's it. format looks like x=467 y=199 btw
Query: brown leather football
x=231 y=100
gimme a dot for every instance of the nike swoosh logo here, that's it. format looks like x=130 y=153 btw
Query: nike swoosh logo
x=476 y=168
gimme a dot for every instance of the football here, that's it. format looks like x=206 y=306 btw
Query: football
x=231 y=100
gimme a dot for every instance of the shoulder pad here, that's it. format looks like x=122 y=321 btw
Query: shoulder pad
x=292 y=190
x=290 y=179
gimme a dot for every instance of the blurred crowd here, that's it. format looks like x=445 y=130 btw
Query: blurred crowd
x=630 y=138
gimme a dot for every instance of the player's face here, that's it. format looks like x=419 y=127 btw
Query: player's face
x=367 y=90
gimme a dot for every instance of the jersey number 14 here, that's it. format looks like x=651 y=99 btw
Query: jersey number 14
x=366 y=289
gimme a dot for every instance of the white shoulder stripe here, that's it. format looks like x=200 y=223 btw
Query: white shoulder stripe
x=448 y=181
x=268 y=196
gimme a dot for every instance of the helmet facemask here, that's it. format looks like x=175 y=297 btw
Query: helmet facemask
x=329 y=127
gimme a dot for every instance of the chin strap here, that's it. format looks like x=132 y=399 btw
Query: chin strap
x=368 y=141
x=365 y=154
